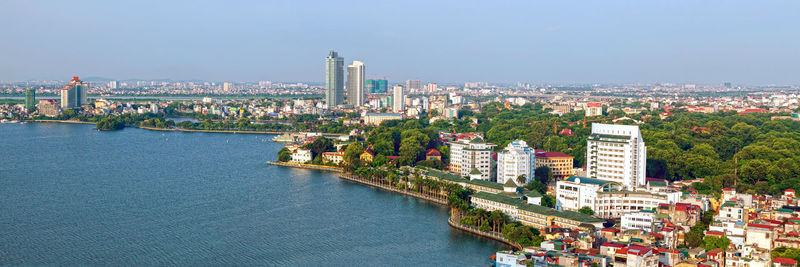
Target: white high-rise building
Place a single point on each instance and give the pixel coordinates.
(616, 153)
(515, 160)
(334, 80)
(431, 87)
(470, 158)
(355, 84)
(413, 85)
(398, 99)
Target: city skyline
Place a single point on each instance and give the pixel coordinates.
(608, 42)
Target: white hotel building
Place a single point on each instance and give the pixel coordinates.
(515, 160)
(577, 192)
(466, 155)
(616, 153)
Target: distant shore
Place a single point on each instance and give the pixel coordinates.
(206, 131)
(63, 121)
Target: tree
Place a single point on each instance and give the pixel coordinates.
(320, 145)
(548, 201)
(586, 210)
(712, 242)
(352, 154)
(284, 155)
(543, 174)
(521, 179)
(536, 186)
(432, 163)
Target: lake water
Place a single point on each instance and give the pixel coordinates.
(70, 195)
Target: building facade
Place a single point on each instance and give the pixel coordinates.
(413, 85)
(73, 95)
(466, 155)
(30, 99)
(642, 220)
(334, 80)
(377, 86)
(301, 156)
(398, 99)
(576, 192)
(559, 163)
(594, 109)
(355, 84)
(616, 204)
(377, 118)
(616, 153)
(48, 107)
(515, 160)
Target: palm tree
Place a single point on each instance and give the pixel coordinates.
(521, 180)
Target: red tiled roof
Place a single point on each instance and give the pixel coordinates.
(714, 233)
(432, 152)
(612, 230)
(715, 251)
(772, 221)
(545, 154)
(784, 260)
(594, 105)
(756, 225)
(657, 235)
(612, 244)
(638, 250)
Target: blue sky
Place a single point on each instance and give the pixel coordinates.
(746, 42)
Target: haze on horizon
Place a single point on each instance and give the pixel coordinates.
(745, 42)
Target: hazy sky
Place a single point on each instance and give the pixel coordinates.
(751, 42)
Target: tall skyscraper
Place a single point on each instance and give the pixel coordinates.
(226, 86)
(355, 84)
(413, 85)
(30, 99)
(616, 153)
(73, 94)
(334, 80)
(398, 100)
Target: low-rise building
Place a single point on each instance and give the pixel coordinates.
(332, 157)
(577, 192)
(643, 220)
(378, 118)
(615, 204)
(559, 163)
(534, 215)
(301, 155)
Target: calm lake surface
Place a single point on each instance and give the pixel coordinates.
(71, 195)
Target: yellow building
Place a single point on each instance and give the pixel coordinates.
(558, 162)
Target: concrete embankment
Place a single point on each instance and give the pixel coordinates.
(306, 166)
(451, 221)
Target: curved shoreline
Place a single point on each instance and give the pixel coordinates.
(63, 121)
(481, 233)
(205, 131)
(413, 194)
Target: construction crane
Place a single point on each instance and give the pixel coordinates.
(603, 119)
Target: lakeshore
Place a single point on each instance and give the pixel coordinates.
(222, 206)
(437, 200)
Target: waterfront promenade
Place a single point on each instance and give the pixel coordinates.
(438, 200)
(306, 166)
